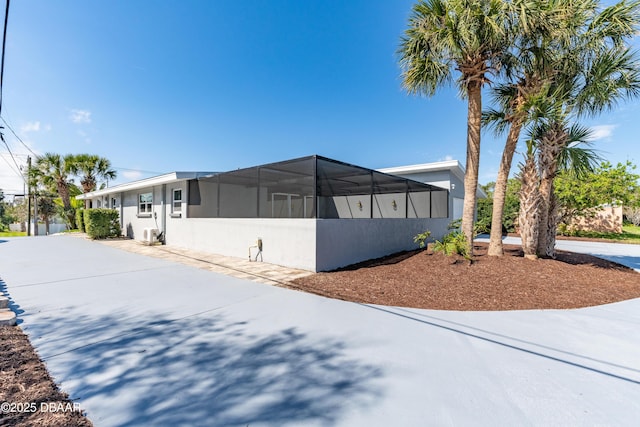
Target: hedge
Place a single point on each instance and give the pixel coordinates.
(101, 223)
(80, 220)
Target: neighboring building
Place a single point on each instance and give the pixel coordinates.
(312, 213)
(602, 219)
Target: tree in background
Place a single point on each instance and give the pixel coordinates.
(606, 185)
(510, 210)
(5, 220)
(91, 169)
(46, 209)
(464, 36)
(53, 172)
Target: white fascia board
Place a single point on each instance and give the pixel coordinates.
(450, 165)
(144, 183)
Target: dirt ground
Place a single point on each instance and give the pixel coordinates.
(420, 279)
(423, 279)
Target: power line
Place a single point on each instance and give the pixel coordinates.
(18, 138)
(11, 154)
(4, 43)
(10, 165)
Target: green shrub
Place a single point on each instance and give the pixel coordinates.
(80, 220)
(485, 211)
(102, 223)
(421, 238)
(453, 243)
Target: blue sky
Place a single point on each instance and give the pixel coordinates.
(159, 86)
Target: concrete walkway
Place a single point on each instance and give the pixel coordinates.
(143, 341)
(261, 272)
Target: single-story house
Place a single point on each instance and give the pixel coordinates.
(312, 213)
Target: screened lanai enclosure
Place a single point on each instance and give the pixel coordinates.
(313, 187)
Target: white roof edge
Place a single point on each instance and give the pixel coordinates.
(147, 182)
(452, 165)
(425, 167)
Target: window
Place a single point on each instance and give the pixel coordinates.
(176, 205)
(113, 203)
(145, 201)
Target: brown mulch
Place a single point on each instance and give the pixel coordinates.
(26, 386)
(423, 279)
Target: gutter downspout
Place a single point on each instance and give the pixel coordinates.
(164, 214)
(124, 232)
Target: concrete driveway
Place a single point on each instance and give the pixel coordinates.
(142, 341)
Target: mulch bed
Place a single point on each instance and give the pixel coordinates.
(423, 279)
(26, 386)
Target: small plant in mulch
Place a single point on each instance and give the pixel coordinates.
(421, 239)
(454, 243)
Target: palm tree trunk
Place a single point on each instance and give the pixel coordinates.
(528, 220)
(500, 190)
(63, 191)
(474, 117)
(549, 152)
(552, 225)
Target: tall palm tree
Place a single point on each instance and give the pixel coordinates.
(575, 35)
(53, 171)
(91, 169)
(463, 36)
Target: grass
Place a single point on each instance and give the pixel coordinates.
(13, 233)
(630, 234)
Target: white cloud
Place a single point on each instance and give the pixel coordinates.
(446, 158)
(30, 127)
(132, 174)
(80, 116)
(602, 132)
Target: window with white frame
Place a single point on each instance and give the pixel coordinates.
(145, 201)
(176, 200)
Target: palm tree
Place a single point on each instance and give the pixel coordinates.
(91, 169)
(558, 149)
(53, 171)
(552, 147)
(575, 35)
(464, 36)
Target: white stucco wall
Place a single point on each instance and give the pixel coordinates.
(341, 242)
(288, 242)
(310, 244)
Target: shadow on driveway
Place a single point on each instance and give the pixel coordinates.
(207, 371)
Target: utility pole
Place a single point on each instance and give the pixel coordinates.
(35, 212)
(29, 196)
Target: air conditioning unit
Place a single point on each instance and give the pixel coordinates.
(150, 235)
